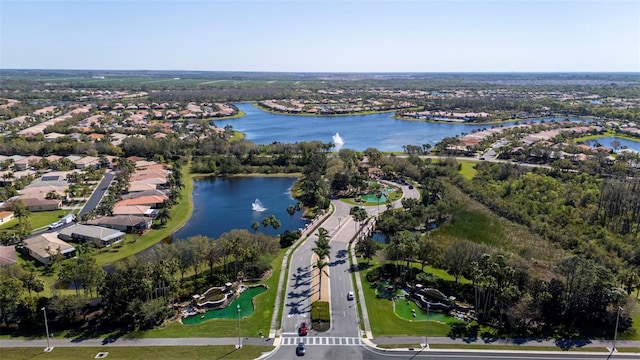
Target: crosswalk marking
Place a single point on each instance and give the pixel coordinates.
(333, 341)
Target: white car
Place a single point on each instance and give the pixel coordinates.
(350, 295)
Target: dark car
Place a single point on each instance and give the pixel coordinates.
(302, 331)
(411, 187)
(300, 350)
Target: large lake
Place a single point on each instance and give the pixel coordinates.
(222, 204)
(359, 132)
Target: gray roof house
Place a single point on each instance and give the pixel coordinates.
(127, 223)
(43, 247)
(100, 236)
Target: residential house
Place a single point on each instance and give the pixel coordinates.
(126, 223)
(139, 187)
(153, 201)
(141, 210)
(100, 236)
(87, 161)
(26, 162)
(7, 256)
(6, 216)
(35, 204)
(44, 246)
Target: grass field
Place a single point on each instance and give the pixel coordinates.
(134, 352)
(38, 219)
(252, 326)
(384, 321)
(468, 168)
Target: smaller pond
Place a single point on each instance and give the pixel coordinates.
(608, 141)
(403, 308)
(245, 300)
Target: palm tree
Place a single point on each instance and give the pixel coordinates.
(320, 264)
(255, 226)
(164, 215)
(291, 210)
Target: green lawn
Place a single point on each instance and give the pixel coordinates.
(384, 321)
(38, 219)
(468, 168)
(139, 352)
(260, 321)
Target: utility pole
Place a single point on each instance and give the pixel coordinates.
(426, 343)
(46, 328)
(615, 332)
(239, 336)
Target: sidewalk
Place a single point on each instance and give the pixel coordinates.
(515, 342)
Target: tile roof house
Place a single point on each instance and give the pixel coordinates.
(6, 216)
(139, 187)
(100, 236)
(133, 195)
(24, 163)
(126, 223)
(143, 210)
(86, 162)
(153, 201)
(35, 204)
(44, 246)
(8, 256)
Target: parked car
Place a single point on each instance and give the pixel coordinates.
(302, 331)
(350, 295)
(411, 187)
(300, 350)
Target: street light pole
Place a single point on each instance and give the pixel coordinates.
(426, 343)
(46, 327)
(615, 332)
(239, 336)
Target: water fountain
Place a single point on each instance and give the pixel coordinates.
(337, 141)
(257, 206)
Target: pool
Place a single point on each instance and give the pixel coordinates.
(245, 300)
(403, 307)
(372, 198)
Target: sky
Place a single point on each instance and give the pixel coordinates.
(322, 36)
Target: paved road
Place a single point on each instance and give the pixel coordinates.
(345, 323)
(97, 194)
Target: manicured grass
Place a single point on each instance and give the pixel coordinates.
(443, 274)
(39, 219)
(608, 133)
(180, 213)
(384, 321)
(634, 332)
(468, 168)
(251, 326)
(139, 352)
(492, 347)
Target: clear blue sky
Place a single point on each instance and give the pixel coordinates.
(326, 35)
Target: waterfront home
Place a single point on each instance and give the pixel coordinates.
(44, 246)
(99, 236)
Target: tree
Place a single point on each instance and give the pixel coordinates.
(255, 226)
(367, 248)
(320, 265)
(291, 210)
(458, 258)
(10, 293)
(359, 215)
(164, 215)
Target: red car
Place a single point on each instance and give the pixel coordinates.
(303, 329)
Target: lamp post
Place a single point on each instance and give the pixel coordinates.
(615, 332)
(46, 327)
(426, 343)
(239, 336)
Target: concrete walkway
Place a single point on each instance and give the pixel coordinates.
(385, 340)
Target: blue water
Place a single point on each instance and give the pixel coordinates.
(223, 204)
(606, 141)
(360, 132)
